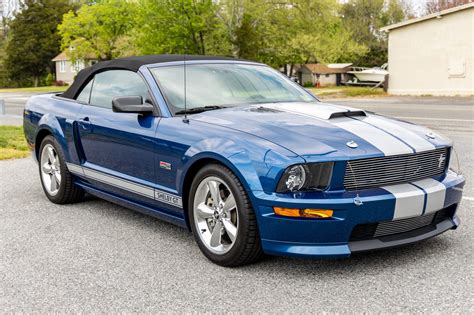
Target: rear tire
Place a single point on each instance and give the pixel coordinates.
(56, 180)
(226, 231)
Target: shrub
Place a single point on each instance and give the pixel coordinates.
(59, 83)
(49, 79)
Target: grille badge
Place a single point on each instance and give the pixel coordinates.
(352, 144)
(441, 160)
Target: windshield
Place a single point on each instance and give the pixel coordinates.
(226, 84)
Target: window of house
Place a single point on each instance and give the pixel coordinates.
(62, 66)
(113, 83)
(77, 66)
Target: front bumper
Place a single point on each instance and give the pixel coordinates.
(332, 238)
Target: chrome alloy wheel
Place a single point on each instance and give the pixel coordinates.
(50, 170)
(216, 215)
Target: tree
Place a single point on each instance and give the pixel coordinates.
(316, 34)
(3, 72)
(180, 26)
(246, 25)
(434, 6)
(291, 32)
(33, 40)
(364, 18)
(100, 29)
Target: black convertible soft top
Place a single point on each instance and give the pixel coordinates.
(128, 63)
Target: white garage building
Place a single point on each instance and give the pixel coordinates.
(434, 54)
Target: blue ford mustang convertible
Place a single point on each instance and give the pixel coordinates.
(242, 156)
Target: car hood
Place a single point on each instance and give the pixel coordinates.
(318, 130)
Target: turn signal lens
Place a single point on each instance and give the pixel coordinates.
(304, 213)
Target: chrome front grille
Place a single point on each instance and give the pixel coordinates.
(398, 227)
(396, 169)
(404, 225)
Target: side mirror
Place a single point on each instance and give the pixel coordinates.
(131, 104)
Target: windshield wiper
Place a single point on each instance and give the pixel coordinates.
(196, 110)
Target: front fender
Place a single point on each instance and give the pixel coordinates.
(227, 152)
(256, 165)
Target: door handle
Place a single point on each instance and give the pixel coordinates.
(84, 122)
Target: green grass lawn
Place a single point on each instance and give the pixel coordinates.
(45, 89)
(347, 91)
(12, 143)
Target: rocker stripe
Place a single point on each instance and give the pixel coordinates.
(130, 186)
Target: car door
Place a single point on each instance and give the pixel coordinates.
(117, 149)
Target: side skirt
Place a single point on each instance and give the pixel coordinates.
(160, 214)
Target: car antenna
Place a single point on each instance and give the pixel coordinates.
(185, 119)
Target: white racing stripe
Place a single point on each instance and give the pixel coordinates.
(435, 194)
(321, 110)
(376, 136)
(127, 185)
(120, 183)
(75, 169)
(383, 141)
(409, 200)
(417, 142)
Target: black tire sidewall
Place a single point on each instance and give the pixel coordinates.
(62, 165)
(243, 214)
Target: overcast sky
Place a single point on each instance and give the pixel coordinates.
(417, 5)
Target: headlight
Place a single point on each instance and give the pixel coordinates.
(306, 177)
(454, 162)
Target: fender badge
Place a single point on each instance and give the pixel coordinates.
(430, 135)
(352, 144)
(165, 165)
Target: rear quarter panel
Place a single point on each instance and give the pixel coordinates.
(55, 115)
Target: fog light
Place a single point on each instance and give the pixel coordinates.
(317, 213)
(304, 213)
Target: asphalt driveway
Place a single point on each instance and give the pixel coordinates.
(98, 257)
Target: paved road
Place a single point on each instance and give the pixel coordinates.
(15, 101)
(14, 104)
(96, 256)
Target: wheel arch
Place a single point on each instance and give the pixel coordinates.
(49, 125)
(203, 159)
(40, 135)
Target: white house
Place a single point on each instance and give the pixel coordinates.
(324, 75)
(434, 54)
(8, 8)
(66, 71)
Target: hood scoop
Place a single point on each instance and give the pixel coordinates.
(316, 110)
(354, 113)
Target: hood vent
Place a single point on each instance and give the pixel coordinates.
(354, 113)
(262, 109)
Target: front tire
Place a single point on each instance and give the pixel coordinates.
(222, 218)
(55, 177)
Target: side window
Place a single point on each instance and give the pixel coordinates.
(113, 83)
(85, 94)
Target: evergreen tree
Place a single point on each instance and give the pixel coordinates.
(34, 40)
